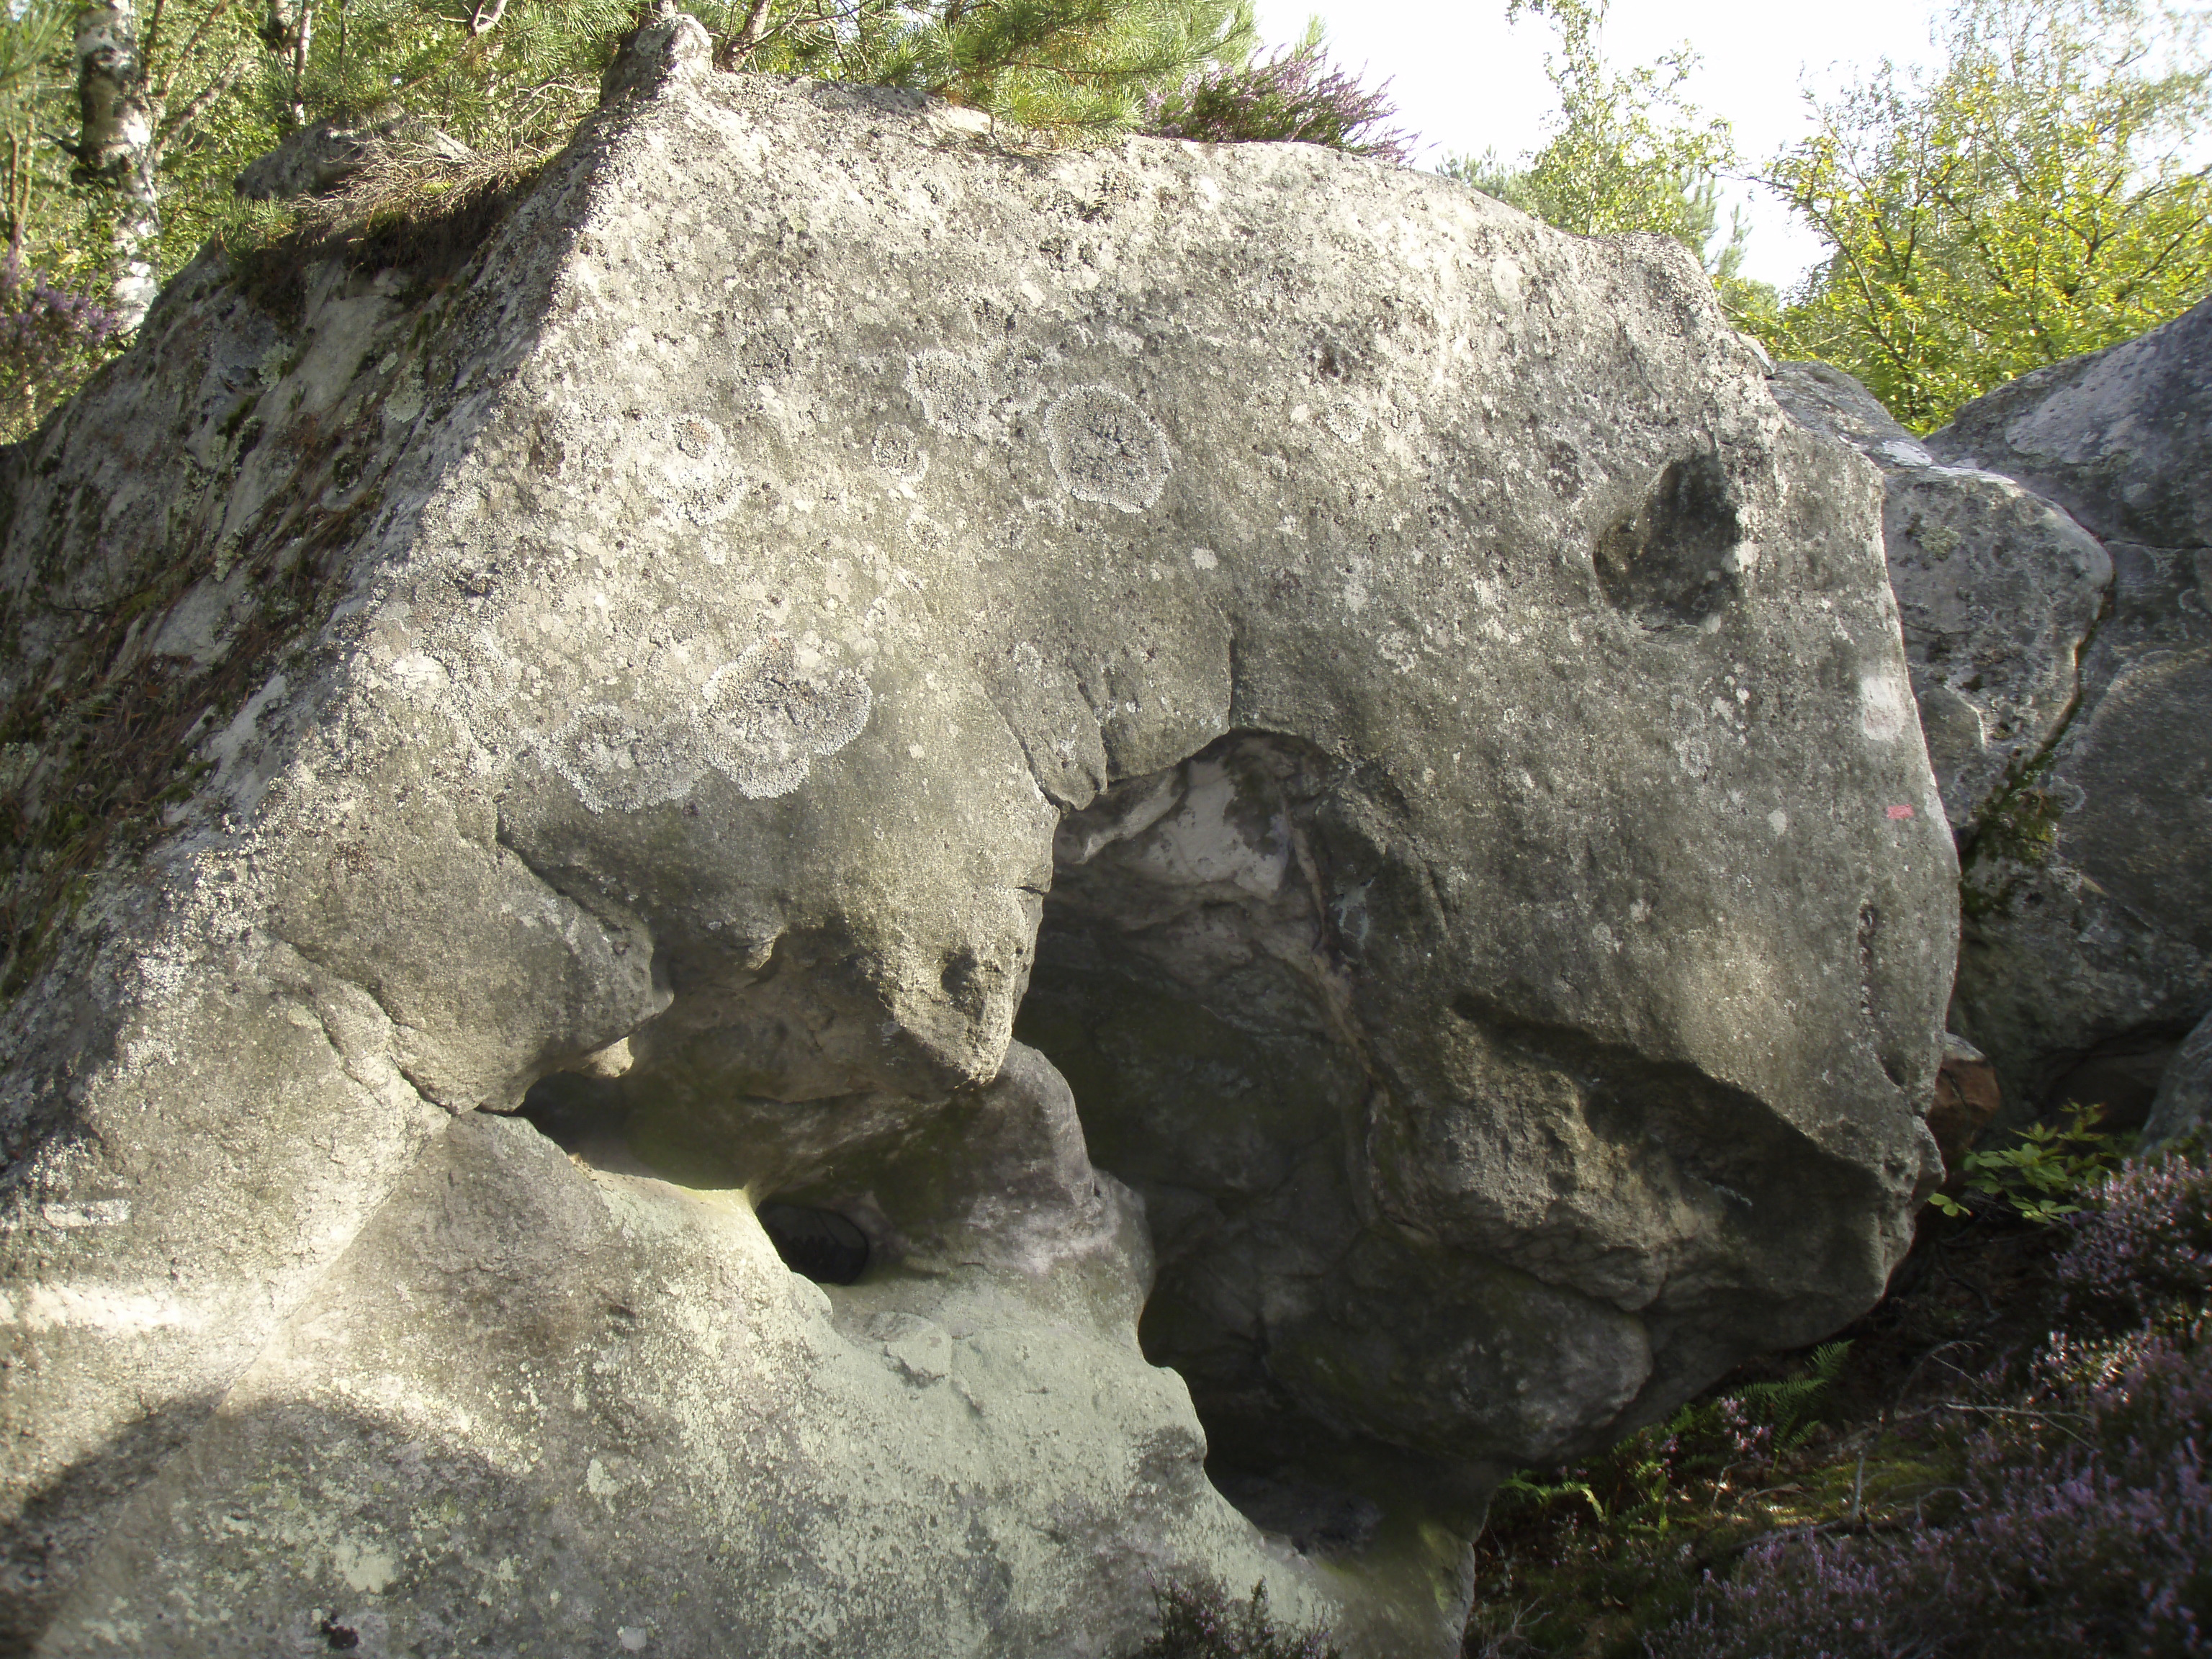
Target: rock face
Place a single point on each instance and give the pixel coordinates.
(2184, 1102)
(1998, 589)
(520, 765)
(2088, 948)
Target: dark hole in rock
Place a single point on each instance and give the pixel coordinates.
(597, 1118)
(574, 1110)
(1319, 1521)
(2120, 1075)
(1195, 983)
(819, 1243)
(1672, 562)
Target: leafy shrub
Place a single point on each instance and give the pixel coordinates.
(2038, 197)
(1296, 96)
(2047, 1168)
(1199, 1620)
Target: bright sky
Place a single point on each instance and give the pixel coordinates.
(1465, 81)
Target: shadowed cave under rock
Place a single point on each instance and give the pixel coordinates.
(1194, 990)
(1184, 988)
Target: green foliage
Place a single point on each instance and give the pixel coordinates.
(2045, 1171)
(1199, 1620)
(518, 74)
(1789, 1407)
(2029, 204)
(510, 79)
(1296, 96)
(64, 211)
(1628, 153)
(1635, 1486)
(53, 244)
(1573, 1559)
(503, 75)
(1071, 66)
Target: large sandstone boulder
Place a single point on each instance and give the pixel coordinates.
(526, 770)
(2088, 947)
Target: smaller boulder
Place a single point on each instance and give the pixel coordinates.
(1967, 1098)
(2182, 1104)
(2116, 437)
(2087, 943)
(320, 159)
(1997, 591)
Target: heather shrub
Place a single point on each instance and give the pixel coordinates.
(2143, 1256)
(1575, 1560)
(2084, 1526)
(1629, 1484)
(2082, 1521)
(50, 337)
(1296, 96)
(1201, 1621)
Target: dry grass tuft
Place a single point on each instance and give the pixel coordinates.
(413, 207)
(414, 201)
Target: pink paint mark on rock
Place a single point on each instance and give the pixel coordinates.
(1900, 811)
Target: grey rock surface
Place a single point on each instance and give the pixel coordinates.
(1001, 1469)
(2116, 437)
(2087, 946)
(1998, 590)
(1374, 689)
(2182, 1104)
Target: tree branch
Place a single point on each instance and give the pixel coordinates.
(215, 15)
(748, 39)
(181, 123)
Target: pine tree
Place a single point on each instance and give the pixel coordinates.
(170, 98)
(1071, 66)
(174, 94)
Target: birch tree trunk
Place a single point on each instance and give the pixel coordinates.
(115, 145)
(288, 31)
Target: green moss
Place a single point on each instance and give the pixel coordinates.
(239, 417)
(2017, 833)
(117, 733)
